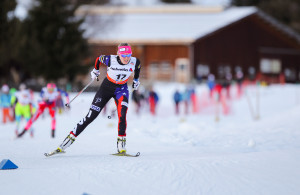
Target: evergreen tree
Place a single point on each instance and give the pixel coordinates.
(53, 46)
(286, 11)
(8, 25)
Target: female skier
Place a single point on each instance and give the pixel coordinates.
(119, 68)
(24, 106)
(49, 96)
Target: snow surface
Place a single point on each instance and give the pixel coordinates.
(192, 154)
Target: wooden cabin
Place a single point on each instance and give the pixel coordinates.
(187, 42)
(257, 45)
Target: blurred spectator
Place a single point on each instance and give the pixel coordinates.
(227, 84)
(144, 96)
(12, 92)
(239, 80)
(218, 90)
(153, 99)
(60, 105)
(193, 98)
(68, 87)
(5, 104)
(136, 97)
(177, 100)
(186, 96)
(211, 84)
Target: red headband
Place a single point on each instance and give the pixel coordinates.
(124, 49)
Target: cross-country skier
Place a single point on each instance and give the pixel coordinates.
(153, 99)
(24, 106)
(5, 104)
(119, 68)
(49, 95)
(177, 99)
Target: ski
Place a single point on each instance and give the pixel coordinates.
(57, 151)
(125, 154)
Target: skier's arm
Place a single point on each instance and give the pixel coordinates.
(102, 59)
(136, 82)
(43, 96)
(137, 70)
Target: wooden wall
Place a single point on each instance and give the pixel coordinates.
(148, 54)
(243, 44)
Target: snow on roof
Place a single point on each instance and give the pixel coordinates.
(180, 24)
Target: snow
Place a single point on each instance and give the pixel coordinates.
(22, 8)
(193, 154)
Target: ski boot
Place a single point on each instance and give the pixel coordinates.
(31, 134)
(121, 143)
(22, 133)
(66, 143)
(57, 151)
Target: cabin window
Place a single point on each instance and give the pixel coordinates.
(202, 70)
(227, 69)
(272, 66)
(160, 70)
(238, 69)
(165, 67)
(153, 70)
(251, 72)
(223, 70)
(290, 74)
(154, 66)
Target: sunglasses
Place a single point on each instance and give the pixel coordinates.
(124, 55)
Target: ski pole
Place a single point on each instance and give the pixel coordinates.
(68, 104)
(250, 104)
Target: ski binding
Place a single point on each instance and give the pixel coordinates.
(125, 154)
(57, 151)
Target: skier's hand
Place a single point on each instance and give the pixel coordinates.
(135, 84)
(47, 101)
(44, 100)
(95, 73)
